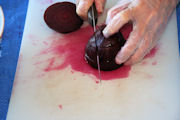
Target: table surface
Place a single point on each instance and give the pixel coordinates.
(15, 14)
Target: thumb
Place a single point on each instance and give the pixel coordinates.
(82, 7)
(100, 5)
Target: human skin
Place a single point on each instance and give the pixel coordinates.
(84, 5)
(149, 18)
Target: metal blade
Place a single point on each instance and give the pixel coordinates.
(94, 13)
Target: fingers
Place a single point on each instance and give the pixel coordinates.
(100, 5)
(142, 50)
(149, 41)
(130, 46)
(114, 11)
(117, 22)
(82, 7)
(159, 27)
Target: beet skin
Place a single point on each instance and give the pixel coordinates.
(107, 50)
(62, 17)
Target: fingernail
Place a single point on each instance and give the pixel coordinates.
(106, 33)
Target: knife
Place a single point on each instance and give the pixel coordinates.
(1, 27)
(92, 19)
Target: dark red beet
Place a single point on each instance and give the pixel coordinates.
(62, 17)
(107, 50)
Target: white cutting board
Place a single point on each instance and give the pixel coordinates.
(150, 92)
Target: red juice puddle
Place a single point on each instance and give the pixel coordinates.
(144, 63)
(97, 81)
(152, 52)
(60, 107)
(74, 51)
(151, 55)
(154, 63)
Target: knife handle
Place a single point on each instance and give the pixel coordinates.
(92, 11)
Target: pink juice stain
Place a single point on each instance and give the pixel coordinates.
(152, 52)
(60, 107)
(154, 63)
(74, 50)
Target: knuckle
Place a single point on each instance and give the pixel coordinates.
(124, 15)
(136, 59)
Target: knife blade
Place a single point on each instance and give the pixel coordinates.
(92, 18)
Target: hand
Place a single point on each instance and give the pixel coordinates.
(84, 5)
(149, 18)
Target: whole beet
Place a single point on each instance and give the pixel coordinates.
(62, 17)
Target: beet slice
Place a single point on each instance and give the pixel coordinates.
(107, 50)
(62, 17)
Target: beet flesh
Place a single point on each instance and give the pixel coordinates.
(107, 50)
(62, 17)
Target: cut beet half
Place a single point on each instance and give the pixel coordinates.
(62, 17)
(107, 50)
